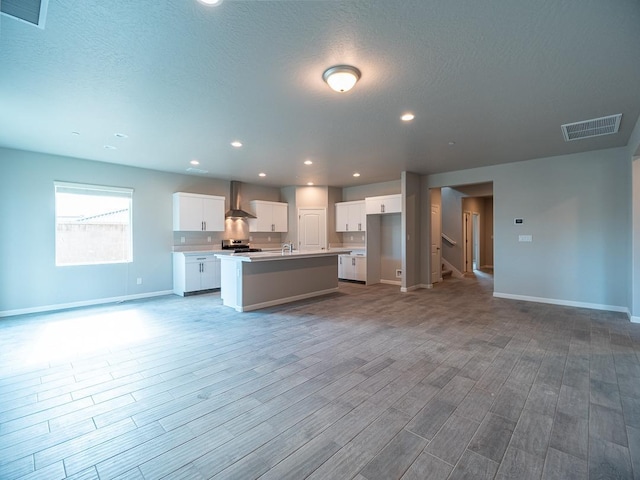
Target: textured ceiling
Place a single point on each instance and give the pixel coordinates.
(183, 80)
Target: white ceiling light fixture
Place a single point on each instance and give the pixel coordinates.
(236, 144)
(194, 162)
(211, 3)
(407, 117)
(308, 162)
(341, 78)
(310, 183)
(262, 174)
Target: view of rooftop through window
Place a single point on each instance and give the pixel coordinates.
(93, 224)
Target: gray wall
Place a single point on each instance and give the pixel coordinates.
(487, 237)
(351, 194)
(29, 277)
(410, 233)
(576, 207)
(451, 213)
(633, 274)
(390, 246)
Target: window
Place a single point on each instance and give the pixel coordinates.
(93, 224)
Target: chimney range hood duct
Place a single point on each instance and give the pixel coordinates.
(234, 203)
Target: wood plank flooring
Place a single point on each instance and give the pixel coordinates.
(364, 384)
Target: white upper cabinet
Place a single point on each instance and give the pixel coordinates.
(351, 217)
(193, 212)
(271, 216)
(384, 204)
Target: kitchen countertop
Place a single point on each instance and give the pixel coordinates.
(200, 252)
(267, 256)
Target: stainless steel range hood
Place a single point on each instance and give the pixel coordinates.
(234, 202)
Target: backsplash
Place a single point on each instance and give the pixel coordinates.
(213, 240)
(353, 239)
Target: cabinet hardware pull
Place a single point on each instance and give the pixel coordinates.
(346, 227)
(205, 225)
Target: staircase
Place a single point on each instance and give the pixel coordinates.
(445, 273)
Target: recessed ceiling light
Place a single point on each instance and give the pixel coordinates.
(452, 143)
(308, 162)
(356, 174)
(194, 162)
(262, 174)
(407, 117)
(110, 147)
(121, 135)
(309, 183)
(75, 133)
(236, 144)
(211, 3)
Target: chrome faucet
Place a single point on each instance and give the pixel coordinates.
(287, 246)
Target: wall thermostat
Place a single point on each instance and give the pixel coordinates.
(518, 221)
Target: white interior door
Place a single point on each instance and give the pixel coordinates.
(436, 244)
(312, 229)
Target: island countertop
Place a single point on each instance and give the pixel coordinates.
(277, 255)
(254, 280)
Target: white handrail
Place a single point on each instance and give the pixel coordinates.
(449, 239)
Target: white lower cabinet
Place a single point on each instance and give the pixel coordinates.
(352, 267)
(195, 271)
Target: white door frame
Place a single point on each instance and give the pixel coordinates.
(467, 238)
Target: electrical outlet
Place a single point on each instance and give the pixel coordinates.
(351, 237)
(139, 281)
(268, 239)
(250, 238)
(209, 239)
(398, 273)
(182, 239)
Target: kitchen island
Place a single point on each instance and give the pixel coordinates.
(250, 281)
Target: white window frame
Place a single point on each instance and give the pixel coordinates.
(94, 191)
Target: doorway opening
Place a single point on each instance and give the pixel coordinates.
(461, 231)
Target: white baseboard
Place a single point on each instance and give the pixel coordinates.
(410, 289)
(634, 319)
(566, 303)
(85, 303)
(280, 301)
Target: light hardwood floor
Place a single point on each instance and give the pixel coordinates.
(368, 384)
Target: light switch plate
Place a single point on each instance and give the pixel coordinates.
(525, 238)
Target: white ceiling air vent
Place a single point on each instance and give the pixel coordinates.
(591, 128)
(32, 12)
